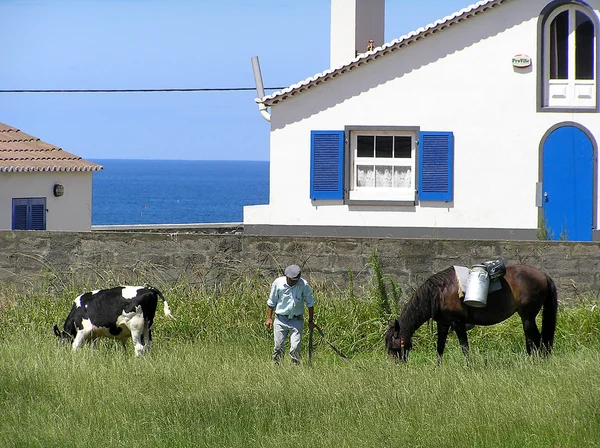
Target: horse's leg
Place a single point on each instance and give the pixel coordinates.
(461, 332)
(532, 334)
(442, 335)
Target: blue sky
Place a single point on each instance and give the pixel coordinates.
(154, 44)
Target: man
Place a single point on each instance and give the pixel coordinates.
(289, 294)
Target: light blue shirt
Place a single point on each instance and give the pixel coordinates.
(290, 300)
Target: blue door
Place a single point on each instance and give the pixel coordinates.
(568, 175)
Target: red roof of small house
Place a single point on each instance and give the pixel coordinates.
(21, 152)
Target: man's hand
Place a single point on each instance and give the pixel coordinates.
(311, 324)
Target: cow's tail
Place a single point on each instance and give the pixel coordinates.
(166, 308)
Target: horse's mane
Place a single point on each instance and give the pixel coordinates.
(426, 300)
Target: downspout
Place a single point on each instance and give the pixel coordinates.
(260, 90)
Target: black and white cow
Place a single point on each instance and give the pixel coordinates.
(119, 313)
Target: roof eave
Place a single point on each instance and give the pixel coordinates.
(32, 169)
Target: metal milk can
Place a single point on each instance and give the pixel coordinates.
(477, 287)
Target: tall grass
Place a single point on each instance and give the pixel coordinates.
(209, 380)
(193, 394)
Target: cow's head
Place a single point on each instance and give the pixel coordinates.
(62, 335)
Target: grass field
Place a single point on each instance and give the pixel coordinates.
(209, 380)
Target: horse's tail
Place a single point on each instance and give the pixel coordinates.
(549, 316)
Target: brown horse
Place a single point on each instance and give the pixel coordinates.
(524, 290)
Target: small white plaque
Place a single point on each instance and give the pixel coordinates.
(521, 61)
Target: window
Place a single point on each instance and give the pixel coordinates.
(29, 214)
(382, 165)
(569, 42)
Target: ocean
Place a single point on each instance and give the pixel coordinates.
(176, 191)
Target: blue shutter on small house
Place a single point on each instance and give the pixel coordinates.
(29, 214)
(326, 165)
(38, 214)
(19, 214)
(436, 166)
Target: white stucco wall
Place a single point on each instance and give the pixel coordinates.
(72, 211)
(459, 80)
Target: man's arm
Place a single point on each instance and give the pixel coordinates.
(271, 304)
(269, 321)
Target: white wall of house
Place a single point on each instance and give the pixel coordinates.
(460, 80)
(72, 211)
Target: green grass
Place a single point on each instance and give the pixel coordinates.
(194, 394)
(209, 380)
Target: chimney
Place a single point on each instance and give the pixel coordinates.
(354, 23)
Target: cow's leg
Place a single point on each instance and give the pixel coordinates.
(136, 335)
(136, 326)
(82, 336)
(147, 336)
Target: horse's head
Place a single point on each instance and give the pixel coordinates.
(397, 345)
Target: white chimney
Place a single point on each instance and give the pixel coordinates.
(353, 24)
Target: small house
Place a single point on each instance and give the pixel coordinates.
(42, 187)
(481, 125)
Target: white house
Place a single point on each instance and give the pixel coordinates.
(483, 124)
(42, 187)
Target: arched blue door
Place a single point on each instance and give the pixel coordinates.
(568, 176)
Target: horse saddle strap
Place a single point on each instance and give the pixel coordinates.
(495, 269)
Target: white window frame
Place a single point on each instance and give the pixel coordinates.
(570, 92)
(357, 193)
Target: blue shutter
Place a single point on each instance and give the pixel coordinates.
(327, 165)
(19, 214)
(436, 166)
(38, 214)
(29, 214)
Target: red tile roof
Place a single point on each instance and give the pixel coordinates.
(21, 152)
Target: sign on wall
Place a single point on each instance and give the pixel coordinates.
(521, 61)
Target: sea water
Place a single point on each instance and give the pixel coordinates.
(176, 191)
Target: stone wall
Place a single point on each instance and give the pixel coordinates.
(108, 257)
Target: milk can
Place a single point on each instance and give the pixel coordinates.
(477, 287)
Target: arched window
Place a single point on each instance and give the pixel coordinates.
(569, 55)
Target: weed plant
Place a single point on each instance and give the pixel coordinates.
(209, 380)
